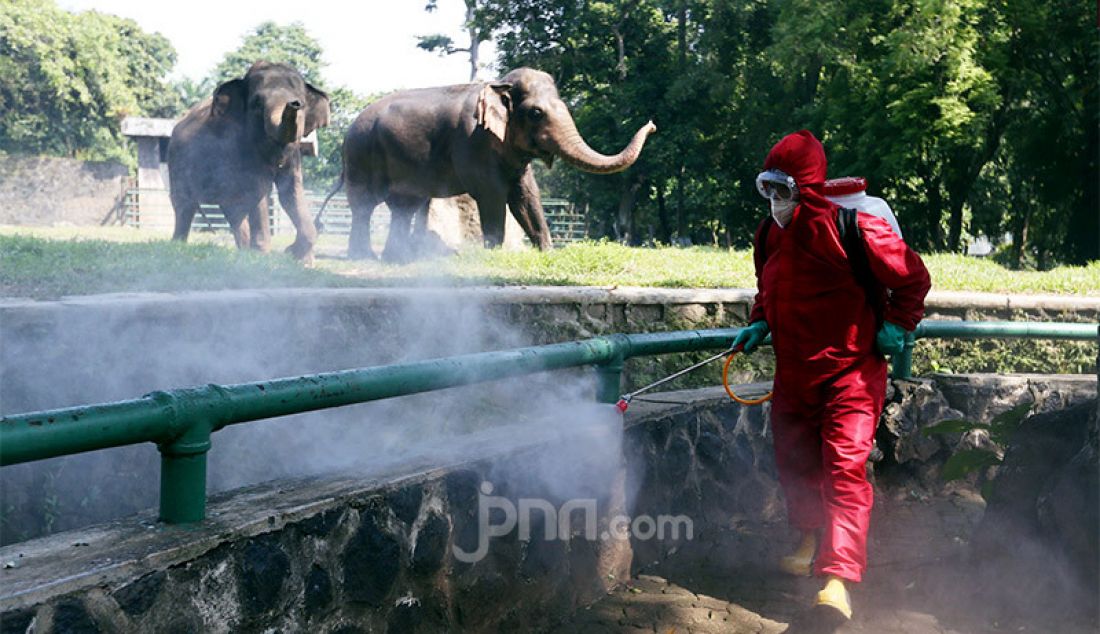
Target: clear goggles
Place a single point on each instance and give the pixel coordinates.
(774, 184)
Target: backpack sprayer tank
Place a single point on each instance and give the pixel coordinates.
(851, 192)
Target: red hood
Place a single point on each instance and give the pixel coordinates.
(799, 155)
(802, 156)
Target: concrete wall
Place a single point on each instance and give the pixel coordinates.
(48, 191)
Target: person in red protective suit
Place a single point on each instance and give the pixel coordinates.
(830, 379)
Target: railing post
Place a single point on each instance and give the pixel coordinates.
(903, 361)
(609, 376)
(183, 475)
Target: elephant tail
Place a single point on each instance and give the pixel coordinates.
(317, 219)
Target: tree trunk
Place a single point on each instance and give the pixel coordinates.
(475, 36)
(1019, 239)
(662, 216)
(681, 33)
(681, 225)
(624, 221)
(935, 204)
(1083, 237)
(954, 236)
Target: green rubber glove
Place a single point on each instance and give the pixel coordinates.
(751, 336)
(890, 338)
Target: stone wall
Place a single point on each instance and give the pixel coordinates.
(332, 556)
(44, 191)
(349, 554)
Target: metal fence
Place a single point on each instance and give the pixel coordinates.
(152, 209)
(566, 223)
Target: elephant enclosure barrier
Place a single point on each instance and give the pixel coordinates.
(147, 208)
(151, 209)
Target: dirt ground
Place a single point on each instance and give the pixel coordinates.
(920, 579)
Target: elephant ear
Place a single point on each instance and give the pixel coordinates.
(317, 109)
(493, 105)
(229, 99)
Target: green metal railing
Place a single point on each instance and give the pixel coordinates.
(936, 329)
(182, 421)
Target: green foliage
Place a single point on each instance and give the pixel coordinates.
(67, 80)
(321, 173)
(969, 117)
(962, 463)
(999, 356)
(272, 42)
(438, 42)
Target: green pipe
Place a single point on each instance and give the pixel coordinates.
(609, 375)
(183, 475)
(1004, 330)
(181, 421)
(158, 417)
(60, 432)
(903, 363)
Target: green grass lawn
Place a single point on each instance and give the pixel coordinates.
(52, 262)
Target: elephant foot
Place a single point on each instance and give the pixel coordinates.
(430, 245)
(302, 251)
(361, 254)
(401, 256)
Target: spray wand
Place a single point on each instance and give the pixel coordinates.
(624, 400)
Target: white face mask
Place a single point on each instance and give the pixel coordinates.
(782, 210)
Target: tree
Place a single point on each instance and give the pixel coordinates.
(1049, 197)
(323, 171)
(971, 116)
(479, 25)
(67, 80)
(289, 44)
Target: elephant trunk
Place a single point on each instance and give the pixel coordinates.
(572, 147)
(288, 126)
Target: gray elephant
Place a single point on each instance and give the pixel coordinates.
(480, 138)
(230, 149)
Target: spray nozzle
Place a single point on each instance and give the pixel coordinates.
(623, 403)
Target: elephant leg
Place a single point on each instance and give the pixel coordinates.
(238, 224)
(185, 209)
(260, 224)
(526, 207)
(399, 244)
(491, 210)
(292, 196)
(362, 205)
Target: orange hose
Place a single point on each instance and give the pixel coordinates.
(726, 384)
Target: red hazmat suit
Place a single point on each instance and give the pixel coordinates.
(830, 381)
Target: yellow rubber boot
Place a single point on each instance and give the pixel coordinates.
(800, 562)
(835, 595)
